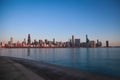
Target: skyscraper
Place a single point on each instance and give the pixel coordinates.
(92, 44)
(11, 40)
(46, 41)
(107, 43)
(73, 41)
(77, 42)
(24, 41)
(29, 40)
(87, 41)
(98, 44)
(53, 40)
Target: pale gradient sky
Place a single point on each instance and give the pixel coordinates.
(60, 19)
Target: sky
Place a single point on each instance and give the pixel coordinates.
(60, 19)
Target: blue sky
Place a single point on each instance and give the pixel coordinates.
(60, 19)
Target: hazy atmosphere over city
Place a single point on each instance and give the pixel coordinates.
(59, 19)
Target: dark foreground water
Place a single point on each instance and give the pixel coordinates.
(99, 60)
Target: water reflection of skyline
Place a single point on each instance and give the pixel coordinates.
(80, 58)
(28, 51)
(73, 57)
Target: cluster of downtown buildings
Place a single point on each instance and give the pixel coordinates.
(52, 44)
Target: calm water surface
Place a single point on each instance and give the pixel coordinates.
(99, 60)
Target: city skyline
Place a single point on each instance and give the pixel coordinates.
(59, 19)
(70, 43)
(29, 39)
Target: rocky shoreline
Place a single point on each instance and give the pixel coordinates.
(48, 71)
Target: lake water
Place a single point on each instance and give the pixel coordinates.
(99, 60)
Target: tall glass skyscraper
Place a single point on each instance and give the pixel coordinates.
(73, 41)
(29, 40)
(87, 40)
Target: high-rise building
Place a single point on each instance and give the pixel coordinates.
(3, 44)
(73, 41)
(77, 42)
(67, 44)
(98, 44)
(35, 43)
(11, 40)
(107, 43)
(92, 44)
(10, 43)
(18, 44)
(24, 41)
(41, 43)
(70, 42)
(46, 41)
(29, 40)
(87, 41)
(53, 40)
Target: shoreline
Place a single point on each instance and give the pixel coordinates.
(55, 72)
(61, 47)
